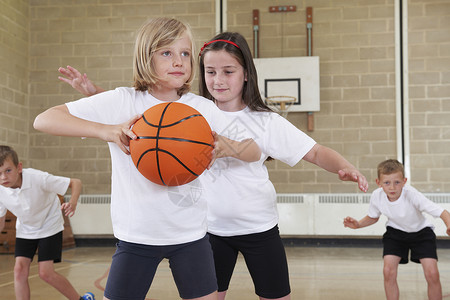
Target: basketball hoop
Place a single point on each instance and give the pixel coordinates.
(281, 104)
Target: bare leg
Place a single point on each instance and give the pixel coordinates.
(288, 297)
(390, 277)
(212, 296)
(221, 295)
(430, 269)
(21, 272)
(48, 274)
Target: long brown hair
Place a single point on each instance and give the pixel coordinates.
(239, 49)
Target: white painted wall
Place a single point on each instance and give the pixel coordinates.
(301, 215)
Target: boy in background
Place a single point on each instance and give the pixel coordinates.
(32, 196)
(407, 228)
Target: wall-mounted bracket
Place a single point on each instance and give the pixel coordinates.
(255, 33)
(282, 8)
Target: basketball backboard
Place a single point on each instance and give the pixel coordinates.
(291, 76)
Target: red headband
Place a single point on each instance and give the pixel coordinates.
(226, 41)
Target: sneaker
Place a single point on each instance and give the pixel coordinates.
(88, 296)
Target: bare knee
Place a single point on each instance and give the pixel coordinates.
(21, 271)
(389, 273)
(430, 270)
(432, 276)
(46, 274)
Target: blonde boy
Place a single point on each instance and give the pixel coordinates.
(407, 228)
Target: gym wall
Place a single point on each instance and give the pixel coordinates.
(355, 41)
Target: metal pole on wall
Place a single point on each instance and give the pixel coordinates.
(255, 33)
(401, 85)
(310, 122)
(221, 16)
(309, 29)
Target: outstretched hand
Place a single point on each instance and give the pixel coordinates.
(121, 134)
(78, 81)
(355, 176)
(351, 223)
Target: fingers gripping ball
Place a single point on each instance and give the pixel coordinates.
(174, 144)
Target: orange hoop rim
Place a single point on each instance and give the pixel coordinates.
(280, 99)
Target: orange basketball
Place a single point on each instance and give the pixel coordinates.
(174, 144)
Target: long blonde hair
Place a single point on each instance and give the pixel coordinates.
(152, 36)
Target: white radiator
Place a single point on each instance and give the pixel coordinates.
(301, 215)
(92, 216)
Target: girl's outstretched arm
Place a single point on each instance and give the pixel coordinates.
(246, 150)
(78, 81)
(333, 162)
(58, 121)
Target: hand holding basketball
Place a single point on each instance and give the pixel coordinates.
(217, 152)
(120, 134)
(245, 150)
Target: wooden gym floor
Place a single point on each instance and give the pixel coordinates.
(316, 273)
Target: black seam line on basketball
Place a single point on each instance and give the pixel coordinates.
(167, 152)
(174, 139)
(172, 124)
(157, 141)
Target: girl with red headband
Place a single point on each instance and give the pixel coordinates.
(242, 211)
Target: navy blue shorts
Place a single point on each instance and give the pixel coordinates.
(265, 258)
(422, 244)
(50, 248)
(134, 266)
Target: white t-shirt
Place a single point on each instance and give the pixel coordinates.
(35, 204)
(143, 212)
(406, 212)
(242, 199)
